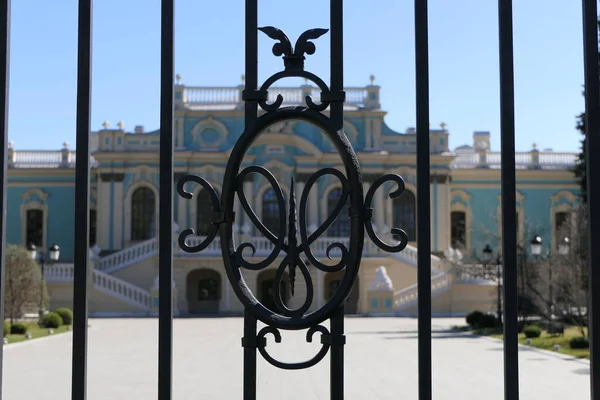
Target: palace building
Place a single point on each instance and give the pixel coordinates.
(465, 206)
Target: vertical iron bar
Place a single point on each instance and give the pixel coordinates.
(4, 81)
(165, 246)
(424, 197)
(250, 115)
(249, 342)
(82, 201)
(592, 134)
(509, 201)
(336, 18)
(251, 107)
(338, 341)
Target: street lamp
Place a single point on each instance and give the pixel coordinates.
(536, 245)
(487, 258)
(564, 247)
(44, 257)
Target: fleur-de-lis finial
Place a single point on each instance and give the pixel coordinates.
(292, 242)
(293, 58)
(443, 125)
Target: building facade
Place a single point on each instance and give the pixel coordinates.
(465, 205)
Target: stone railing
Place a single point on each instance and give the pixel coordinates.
(149, 248)
(124, 290)
(524, 160)
(211, 96)
(43, 158)
(57, 273)
(63, 273)
(408, 296)
(128, 256)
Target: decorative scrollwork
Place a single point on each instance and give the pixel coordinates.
(399, 233)
(308, 240)
(217, 214)
(325, 344)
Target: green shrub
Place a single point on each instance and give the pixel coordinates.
(53, 320)
(579, 342)
(532, 331)
(474, 317)
(6, 328)
(487, 321)
(18, 328)
(66, 315)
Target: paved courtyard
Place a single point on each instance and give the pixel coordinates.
(381, 363)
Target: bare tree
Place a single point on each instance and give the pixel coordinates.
(570, 272)
(22, 282)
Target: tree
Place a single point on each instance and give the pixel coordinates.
(571, 274)
(22, 282)
(580, 165)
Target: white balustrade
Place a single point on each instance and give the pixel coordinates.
(193, 96)
(547, 159)
(63, 273)
(128, 256)
(122, 289)
(408, 296)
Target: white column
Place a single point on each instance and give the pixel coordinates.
(378, 208)
(368, 134)
(103, 213)
(313, 206)
(118, 215)
(320, 293)
(249, 193)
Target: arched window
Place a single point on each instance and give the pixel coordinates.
(405, 214)
(458, 233)
(142, 214)
(341, 225)
(35, 228)
(270, 211)
(203, 213)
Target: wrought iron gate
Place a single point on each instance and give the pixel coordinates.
(298, 254)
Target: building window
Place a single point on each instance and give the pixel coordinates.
(208, 289)
(270, 211)
(34, 228)
(458, 221)
(405, 217)
(143, 214)
(562, 226)
(93, 219)
(203, 213)
(341, 225)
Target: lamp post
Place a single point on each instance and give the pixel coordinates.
(487, 258)
(43, 257)
(563, 250)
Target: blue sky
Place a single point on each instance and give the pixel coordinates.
(378, 40)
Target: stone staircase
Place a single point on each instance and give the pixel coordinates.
(108, 284)
(408, 297)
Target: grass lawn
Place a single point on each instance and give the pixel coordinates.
(36, 332)
(545, 341)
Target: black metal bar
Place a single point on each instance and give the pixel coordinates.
(336, 16)
(165, 246)
(592, 134)
(250, 343)
(4, 82)
(509, 201)
(251, 73)
(424, 197)
(82, 201)
(338, 340)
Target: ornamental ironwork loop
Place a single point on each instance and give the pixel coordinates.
(291, 241)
